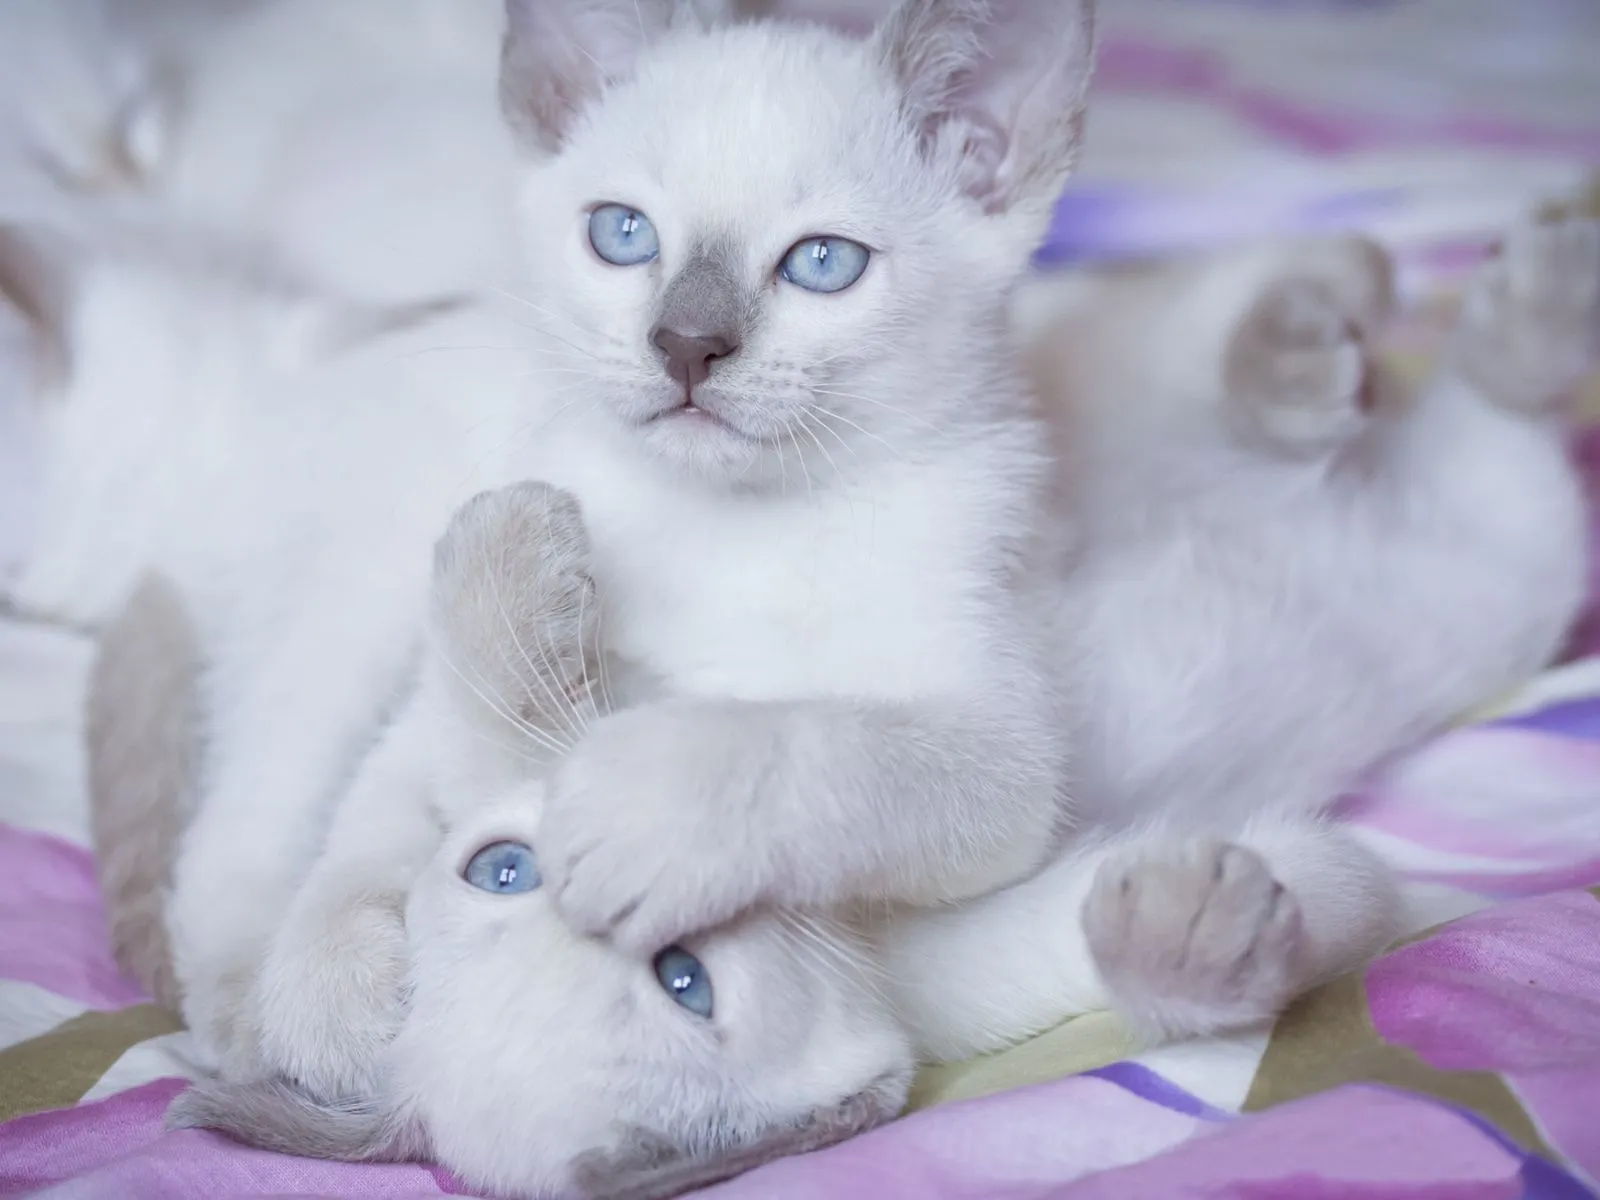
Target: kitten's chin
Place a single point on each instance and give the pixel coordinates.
(697, 443)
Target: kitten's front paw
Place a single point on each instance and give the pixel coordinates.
(647, 833)
(1296, 367)
(1195, 937)
(331, 993)
(1530, 321)
(513, 603)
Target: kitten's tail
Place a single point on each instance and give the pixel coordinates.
(142, 732)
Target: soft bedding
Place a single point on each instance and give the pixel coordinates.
(1464, 1063)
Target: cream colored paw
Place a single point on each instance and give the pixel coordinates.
(1195, 936)
(1296, 367)
(514, 607)
(1530, 321)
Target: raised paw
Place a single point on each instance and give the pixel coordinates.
(650, 831)
(1530, 321)
(331, 994)
(1194, 937)
(514, 608)
(1296, 367)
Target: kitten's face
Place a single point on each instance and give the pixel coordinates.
(750, 258)
(529, 1051)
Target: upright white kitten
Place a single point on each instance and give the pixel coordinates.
(810, 468)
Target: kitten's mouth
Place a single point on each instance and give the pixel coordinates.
(690, 415)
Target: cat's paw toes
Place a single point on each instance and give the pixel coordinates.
(647, 833)
(513, 604)
(520, 533)
(1296, 367)
(1530, 320)
(331, 995)
(1195, 937)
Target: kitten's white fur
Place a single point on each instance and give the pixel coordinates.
(852, 623)
(1181, 931)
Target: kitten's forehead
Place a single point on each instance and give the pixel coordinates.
(742, 126)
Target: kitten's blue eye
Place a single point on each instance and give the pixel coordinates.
(623, 236)
(825, 264)
(685, 980)
(504, 868)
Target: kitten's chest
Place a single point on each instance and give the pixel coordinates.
(828, 597)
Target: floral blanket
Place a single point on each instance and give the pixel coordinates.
(1465, 1063)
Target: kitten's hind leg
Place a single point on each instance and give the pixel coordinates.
(1195, 935)
(1295, 369)
(1530, 321)
(1182, 933)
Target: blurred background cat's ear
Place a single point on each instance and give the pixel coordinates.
(38, 271)
(996, 89)
(560, 55)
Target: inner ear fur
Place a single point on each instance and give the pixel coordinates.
(37, 281)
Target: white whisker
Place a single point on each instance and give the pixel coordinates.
(505, 712)
(941, 430)
(556, 711)
(817, 408)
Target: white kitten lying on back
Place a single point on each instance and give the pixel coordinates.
(504, 997)
(1291, 570)
(768, 350)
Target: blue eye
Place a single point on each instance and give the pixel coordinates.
(685, 980)
(504, 868)
(623, 236)
(825, 264)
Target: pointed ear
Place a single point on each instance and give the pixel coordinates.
(38, 279)
(271, 1114)
(646, 1165)
(996, 89)
(559, 56)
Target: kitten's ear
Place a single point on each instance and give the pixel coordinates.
(38, 279)
(997, 88)
(271, 1114)
(646, 1165)
(560, 55)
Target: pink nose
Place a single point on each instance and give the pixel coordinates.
(689, 356)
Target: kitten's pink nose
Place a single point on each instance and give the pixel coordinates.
(689, 356)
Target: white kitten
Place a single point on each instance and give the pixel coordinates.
(1292, 570)
(831, 554)
(529, 1060)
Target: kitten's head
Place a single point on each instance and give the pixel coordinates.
(760, 246)
(535, 1062)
